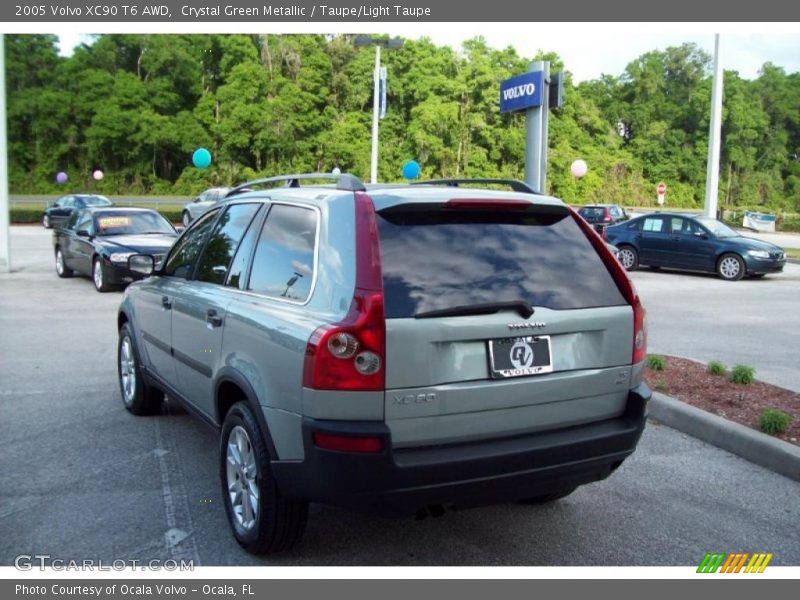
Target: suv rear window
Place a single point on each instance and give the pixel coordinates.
(435, 258)
(594, 212)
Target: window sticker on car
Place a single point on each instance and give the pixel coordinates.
(653, 224)
(106, 222)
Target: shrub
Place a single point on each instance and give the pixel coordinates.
(25, 214)
(743, 374)
(656, 362)
(716, 368)
(774, 421)
(33, 214)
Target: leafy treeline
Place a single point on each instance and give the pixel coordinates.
(136, 106)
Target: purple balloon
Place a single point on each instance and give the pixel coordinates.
(61, 177)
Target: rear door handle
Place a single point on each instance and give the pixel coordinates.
(212, 318)
(166, 303)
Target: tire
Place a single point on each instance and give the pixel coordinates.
(186, 219)
(730, 267)
(99, 275)
(138, 397)
(277, 522)
(46, 222)
(62, 270)
(628, 257)
(546, 498)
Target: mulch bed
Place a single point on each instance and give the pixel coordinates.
(691, 382)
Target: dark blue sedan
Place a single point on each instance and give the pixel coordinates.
(693, 243)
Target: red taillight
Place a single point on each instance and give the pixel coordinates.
(346, 443)
(483, 204)
(360, 364)
(625, 286)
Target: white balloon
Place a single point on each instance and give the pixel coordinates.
(579, 168)
(337, 171)
(98, 175)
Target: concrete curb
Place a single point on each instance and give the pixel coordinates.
(759, 448)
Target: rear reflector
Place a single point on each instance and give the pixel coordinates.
(625, 285)
(343, 443)
(484, 204)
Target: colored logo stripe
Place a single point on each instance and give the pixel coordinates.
(734, 562)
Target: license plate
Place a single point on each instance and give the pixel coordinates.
(520, 356)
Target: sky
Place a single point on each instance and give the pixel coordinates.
(589, 52)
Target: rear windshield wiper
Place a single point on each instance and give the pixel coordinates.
(524, 309)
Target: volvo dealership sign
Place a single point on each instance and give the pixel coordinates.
(521, 92)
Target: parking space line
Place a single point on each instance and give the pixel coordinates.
(179, 537)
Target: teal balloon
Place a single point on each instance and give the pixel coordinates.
(201, 158)
(411, 169)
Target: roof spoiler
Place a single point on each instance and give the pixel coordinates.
(515, 184)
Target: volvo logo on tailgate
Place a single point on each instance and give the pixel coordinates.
(528, 325)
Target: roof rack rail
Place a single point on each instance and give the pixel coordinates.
(515, 184)
(344, 181)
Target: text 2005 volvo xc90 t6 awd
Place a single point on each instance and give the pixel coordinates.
(392, 348)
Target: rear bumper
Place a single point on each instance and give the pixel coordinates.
(400, 482)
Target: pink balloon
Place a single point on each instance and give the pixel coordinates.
(98, 175)
(579, 168)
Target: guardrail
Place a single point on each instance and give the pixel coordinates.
(23, 200)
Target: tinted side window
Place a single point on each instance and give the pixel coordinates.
(213, 265)
(183, 255)
(283, 265)
(237, 274)
(636, 224)
(73, 219)
(84, 222)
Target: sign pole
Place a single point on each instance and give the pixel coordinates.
(376, 93)
(5, 246)
(545, 117)
(533, 138)
(714, 130)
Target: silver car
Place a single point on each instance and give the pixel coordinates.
(397, 349)
(200, 205)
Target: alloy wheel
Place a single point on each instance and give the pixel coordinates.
(627, 258)
(127, 370)
(242, 478)
(97, 275)
(729, 267)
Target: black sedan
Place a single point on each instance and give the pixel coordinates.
(694, 243)
(97, 241)
(62, 209)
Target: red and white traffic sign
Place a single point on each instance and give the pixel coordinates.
(661, 189)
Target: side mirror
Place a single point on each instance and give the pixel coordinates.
(701, 234)
(83, 233)
(142, 264)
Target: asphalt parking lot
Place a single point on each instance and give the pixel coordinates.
(81, 478)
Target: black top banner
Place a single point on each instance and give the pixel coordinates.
(351, 11)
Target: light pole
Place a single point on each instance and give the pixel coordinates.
(393, 44)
